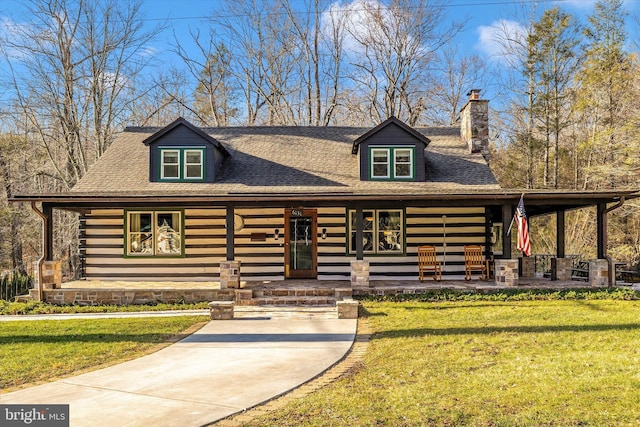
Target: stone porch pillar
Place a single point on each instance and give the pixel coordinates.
(51, 275)
(359, 274)
(598, 272)
(230, 274)
(560, 268)
(506, 272)
(527, 266)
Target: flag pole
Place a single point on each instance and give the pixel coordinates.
(514, 218)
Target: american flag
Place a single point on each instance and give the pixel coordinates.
(523, 228)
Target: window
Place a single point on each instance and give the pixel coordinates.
(193, 164)
(382, 231)
(182, 164)
(154, 233)
(380, 163)
(170, 164)
(403, 162)
(392, 163)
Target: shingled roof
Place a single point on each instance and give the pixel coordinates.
(311, 160)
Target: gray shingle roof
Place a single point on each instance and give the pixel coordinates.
(288, 160)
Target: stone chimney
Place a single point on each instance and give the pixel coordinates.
(474, 123)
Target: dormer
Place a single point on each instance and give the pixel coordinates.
(391, 151)
(181, 152)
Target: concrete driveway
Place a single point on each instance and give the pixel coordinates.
(225, 367)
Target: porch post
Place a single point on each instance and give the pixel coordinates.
(46, 214)
(230, 233)
(507, 215)
(602, 230)
(359, 234)
(359, 267)
(47, 211)
(560, 243)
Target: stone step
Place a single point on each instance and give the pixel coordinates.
(338, 293)
(290, 312)
(289, 301)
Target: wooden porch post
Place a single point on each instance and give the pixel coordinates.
(47, 239)
(230, 224)
(359, 234)
(507, 216)
(602, 230)
(560, 243)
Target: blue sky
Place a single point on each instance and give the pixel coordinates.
(481, 15)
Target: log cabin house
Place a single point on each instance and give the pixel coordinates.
(277, 203)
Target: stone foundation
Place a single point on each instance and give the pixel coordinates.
(598, 272)
(343, 293)
(359, 274)
(230, 274)
(243, 296)
(506, 272)
(560, 268)
(134, 296)
(527, 266)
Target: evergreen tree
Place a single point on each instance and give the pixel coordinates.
(554, 38)
(607, 82)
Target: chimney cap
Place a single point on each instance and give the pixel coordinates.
(474, 92)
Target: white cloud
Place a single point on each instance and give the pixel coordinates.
(354, 20)
(500, 39)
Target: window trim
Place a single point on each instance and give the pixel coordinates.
(375, 232)
(182, 164)
(392, 161)
(154, 225)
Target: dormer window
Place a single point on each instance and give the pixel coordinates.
(181, 164)
(392, 162)
(380, 163)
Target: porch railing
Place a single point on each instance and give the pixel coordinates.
(542, 263)
(13, 284)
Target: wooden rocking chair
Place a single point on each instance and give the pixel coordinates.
(473, 261)
(427, 261)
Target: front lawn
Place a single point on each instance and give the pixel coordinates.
(41, 350)
(487, 363)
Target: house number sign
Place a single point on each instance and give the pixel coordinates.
(297, 212)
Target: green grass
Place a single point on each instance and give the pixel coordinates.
(36, 307)
(34, 351)
(487, 363)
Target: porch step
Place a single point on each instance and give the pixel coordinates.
(289, 312)
(282, 301)
(337, 293)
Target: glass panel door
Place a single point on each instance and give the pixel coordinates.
(300, 243)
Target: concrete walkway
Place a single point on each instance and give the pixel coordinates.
(225, 367)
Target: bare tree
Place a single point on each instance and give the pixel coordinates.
(74, 68)
(448, 87)
(395, 49)
(214, 94)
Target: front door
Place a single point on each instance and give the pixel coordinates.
(300, 243)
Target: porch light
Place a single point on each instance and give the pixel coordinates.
(324, 233)
(276, 234)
